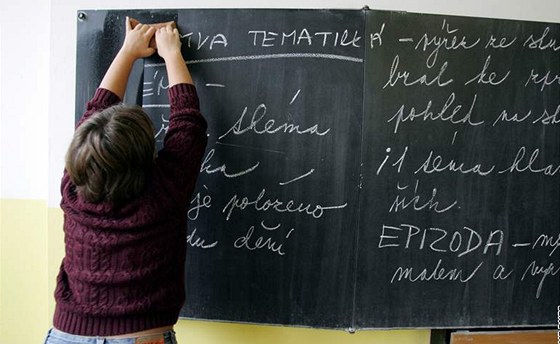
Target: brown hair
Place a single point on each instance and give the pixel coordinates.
(111, 154)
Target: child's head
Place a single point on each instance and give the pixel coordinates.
(111, 154)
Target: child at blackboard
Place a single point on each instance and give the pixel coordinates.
(122, 278)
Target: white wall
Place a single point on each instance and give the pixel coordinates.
(24, 98)
(38, 57)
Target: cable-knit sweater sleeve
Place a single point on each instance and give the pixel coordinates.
(178, 163)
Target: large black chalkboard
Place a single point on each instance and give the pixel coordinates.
(456, 233)
(316, 206)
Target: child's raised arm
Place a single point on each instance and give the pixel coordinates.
(136, 45)
(178, 162)
(169, 47)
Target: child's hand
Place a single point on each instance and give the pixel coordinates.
(168, 42)
(137, 41)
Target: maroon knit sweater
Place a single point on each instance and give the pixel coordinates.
(124, 266)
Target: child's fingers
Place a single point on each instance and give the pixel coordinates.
(164, 30)
(128, 24)
(150, 31)
(138, 27)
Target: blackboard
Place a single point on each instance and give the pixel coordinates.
(459, 233)
(365, 169)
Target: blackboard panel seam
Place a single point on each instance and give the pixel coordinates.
(360, 180)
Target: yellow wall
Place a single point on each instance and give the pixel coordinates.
(31, 246)
(23, 264)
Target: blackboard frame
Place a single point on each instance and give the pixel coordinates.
(99, 31)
